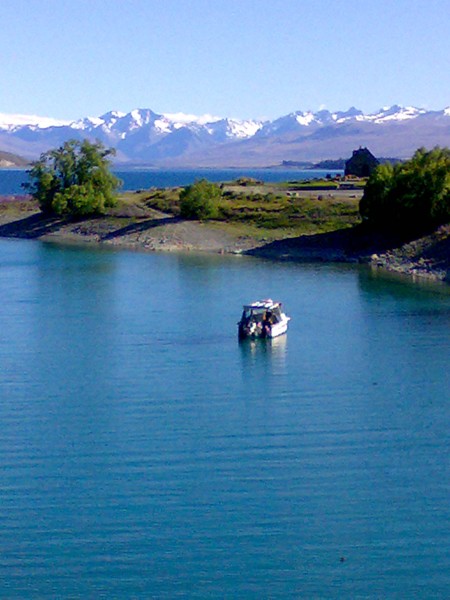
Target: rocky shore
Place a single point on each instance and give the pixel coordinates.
(424, 258)
(428, 257)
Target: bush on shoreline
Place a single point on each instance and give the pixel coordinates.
(74, 180)
(413, 196)
(200, 200)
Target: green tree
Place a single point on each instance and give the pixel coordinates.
(412, 196)
(74, 179)
(200, 200)
(374, 205)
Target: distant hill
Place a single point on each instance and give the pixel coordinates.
(8, 160)
(143, 137)
(338, 163)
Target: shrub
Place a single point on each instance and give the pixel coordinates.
(200, 200)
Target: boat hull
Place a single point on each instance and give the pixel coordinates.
(278, 329)
(274, 331)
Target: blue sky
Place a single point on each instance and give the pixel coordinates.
(241, 58)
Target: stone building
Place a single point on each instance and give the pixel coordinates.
(361, 164)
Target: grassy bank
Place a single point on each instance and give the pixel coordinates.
(246, 208)
(264, 210)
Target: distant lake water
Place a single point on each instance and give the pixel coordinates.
(146, 453)
(11, 180)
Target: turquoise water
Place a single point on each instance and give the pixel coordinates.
(11, 180)
(147, 454)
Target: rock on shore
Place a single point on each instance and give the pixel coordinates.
(427, 257)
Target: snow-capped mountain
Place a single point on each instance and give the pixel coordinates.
(143, 136)
(120, 125)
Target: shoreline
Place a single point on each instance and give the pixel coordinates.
(425, 259)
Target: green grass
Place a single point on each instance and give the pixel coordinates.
(311, 184)
(257, 209)
(322, 184)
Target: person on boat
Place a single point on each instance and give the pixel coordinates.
(267, 323)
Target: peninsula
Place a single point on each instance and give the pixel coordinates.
(296, 221)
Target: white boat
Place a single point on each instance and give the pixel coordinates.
(262, 319)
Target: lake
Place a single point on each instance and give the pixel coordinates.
(146, 453)
(11, 180)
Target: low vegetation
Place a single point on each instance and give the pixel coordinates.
(253, 206)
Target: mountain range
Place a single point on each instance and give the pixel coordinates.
(143, 137)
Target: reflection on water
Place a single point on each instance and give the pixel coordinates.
(396, 284)
(262, 352)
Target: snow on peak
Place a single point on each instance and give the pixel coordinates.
(243, 129)
(17, 120)
(342, 117)
(140, 117)
(186, 119)
(87, 123)
(305, 118)
(113, 115)
(162, 125)
(234, 128)
(393, 113)
(137, 117)
(116, 125)
(106, 120)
